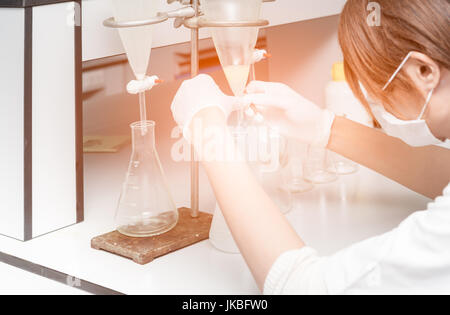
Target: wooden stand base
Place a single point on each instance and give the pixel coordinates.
(187, 232)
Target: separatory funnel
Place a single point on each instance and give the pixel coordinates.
(137, 42)
(235, 45)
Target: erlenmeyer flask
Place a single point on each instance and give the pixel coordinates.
(146, 207)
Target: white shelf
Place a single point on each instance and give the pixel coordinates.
(99, 41)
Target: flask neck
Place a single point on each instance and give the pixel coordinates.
(143, 134)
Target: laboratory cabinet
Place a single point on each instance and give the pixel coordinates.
(41, 167)
(100, 42)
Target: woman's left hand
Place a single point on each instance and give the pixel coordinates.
(196, 94)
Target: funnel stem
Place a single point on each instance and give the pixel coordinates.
(194, 164)
(143, 111)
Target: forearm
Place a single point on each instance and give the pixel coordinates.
(425, 170)
(261, 232)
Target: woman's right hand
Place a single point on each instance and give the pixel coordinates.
(290, 113)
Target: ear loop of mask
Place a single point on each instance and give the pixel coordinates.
(430, 94)
(398, 70)
(426, 104)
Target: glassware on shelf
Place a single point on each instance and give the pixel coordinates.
(220, 235)
(146, 207)
(251, 142)
(316, 168)
(272, 184)
(340, 165)
(269, 170)
(292, 172)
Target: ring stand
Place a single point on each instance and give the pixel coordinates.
(187, 232)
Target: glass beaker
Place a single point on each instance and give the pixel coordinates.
(293, 179)
(316, 169)
(272, 158)
(146, 207)
(220, 235)
(340, 165)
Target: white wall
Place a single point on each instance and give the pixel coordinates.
(303, 54)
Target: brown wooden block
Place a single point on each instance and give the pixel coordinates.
(187, 232)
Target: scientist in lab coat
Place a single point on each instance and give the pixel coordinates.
(403, 66)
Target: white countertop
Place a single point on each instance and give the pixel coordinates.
(15, 281)
(328, 218)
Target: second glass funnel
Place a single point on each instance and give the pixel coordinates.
(235, 45)
(146, 207)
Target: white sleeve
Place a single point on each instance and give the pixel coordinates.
(296, 272)
(303, 272)
(413, 256)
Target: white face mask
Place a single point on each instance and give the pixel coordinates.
(413, 132)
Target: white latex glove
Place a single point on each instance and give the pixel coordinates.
(291, 114)
(197, 94)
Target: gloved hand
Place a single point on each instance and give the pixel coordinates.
(291, 114)
(197, 94)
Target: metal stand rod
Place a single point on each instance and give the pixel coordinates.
(194, 163)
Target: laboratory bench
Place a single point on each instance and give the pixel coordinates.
(329, 218)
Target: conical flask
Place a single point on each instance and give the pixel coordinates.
(234, 45)
(146, 207)
(137, 41)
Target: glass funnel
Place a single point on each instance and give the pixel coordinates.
(137, 41)
(234, 45)
(146, 207)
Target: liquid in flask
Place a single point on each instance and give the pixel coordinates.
(146, 207)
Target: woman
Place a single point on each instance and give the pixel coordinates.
(404, 65)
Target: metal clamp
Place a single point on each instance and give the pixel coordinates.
(159, 18)
(179, 15)
(199, 22)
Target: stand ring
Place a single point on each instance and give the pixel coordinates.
(199, 22)
(159, 18)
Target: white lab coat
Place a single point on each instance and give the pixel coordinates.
(414, 258)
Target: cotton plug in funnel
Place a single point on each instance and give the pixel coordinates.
(234, 45)
(137, 41)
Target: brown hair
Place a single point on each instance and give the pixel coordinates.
(373, 53)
